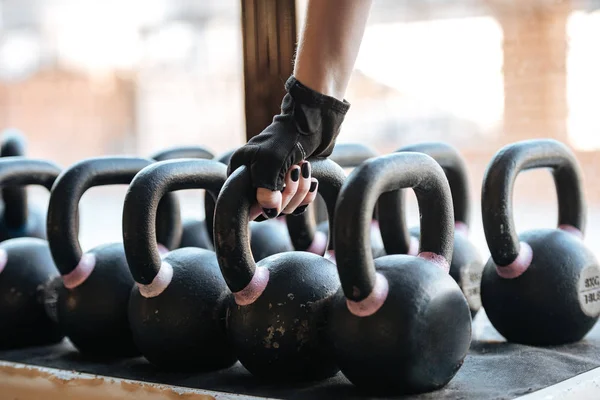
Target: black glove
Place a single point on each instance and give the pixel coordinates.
(308, 125)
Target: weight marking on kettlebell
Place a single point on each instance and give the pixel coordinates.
(589, 291)
(471, 282)
(81, 272)
(160, 282)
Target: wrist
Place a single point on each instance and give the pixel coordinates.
(324, 84)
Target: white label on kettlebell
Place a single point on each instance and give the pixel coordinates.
(470, 281)
(589, 291)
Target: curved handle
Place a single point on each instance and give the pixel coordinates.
(232, 243)
(141, 203)
(63, 213)
(183, 152)
(394, 231)
(358, 198)
(302, 228)
(198, 152)
(13, 144)
(209, 201)
(23, 171)
(497, 192)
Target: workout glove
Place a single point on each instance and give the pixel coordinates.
(308, 125)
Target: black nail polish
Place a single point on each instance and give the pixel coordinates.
(313, 186)
(270, 212)
(295, 174)
(300, 210)
(306, 170)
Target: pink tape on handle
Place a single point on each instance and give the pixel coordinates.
(374, 301)
(571, 229)
(255, 288)
(461, 227)
(160, 282)
(330, 255)
(319, 244)
(520, 265)
(162, 250)
(437, 259)
(81, 272)
(3, 259)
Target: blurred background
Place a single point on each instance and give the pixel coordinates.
(87, 78)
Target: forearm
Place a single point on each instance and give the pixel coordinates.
(329, 44)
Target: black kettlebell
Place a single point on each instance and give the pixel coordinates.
(305, 235)
(541, 287)
(277, 324)
(17, 218)
(177, 309)
(26, 267)
(195, 231)
(400, 323)
(466, 265)
(267, 236)
(92, 302)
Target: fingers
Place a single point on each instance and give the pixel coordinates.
(292, 180)
(310, 197)
(302, 190)
(269, 201)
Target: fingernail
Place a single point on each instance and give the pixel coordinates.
(313, 186)
(270, 212)
(300, 210)
(295, 174)
(306, 170)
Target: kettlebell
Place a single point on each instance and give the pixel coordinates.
(17, 218)
(26, 267)
(92, 302)
(541, 287)
(267, 236)
(277, 323)
(466, 266)
(177, 309)
(304, 234)
(195, 231)
(400, 323)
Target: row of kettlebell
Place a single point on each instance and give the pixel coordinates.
(284, 314)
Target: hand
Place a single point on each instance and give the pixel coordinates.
(307, 126)
(300, 190)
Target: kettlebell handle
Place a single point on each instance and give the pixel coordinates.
(497, 192)
(72, 183)
(232, 242)
(359, 196)
(302, 228)
(14, 198)
(199, 152)
(23, 171)
(141, 203)
(394, 231)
